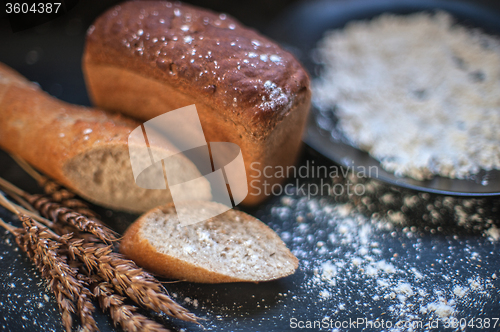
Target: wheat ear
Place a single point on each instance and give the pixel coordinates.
(124, 315)
(58, 213)
(63, 280)
(128, 279)
(123, 274)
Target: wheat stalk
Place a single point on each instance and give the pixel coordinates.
(124, 315)
(58, 213)
(65, 304)
(63, 280)
(127, 278)
(17, 210)
(54, 190)
(54, 211)
(66, 198)
(59, 228)
(43, 250)
(110, 269)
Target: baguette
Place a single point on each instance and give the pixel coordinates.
(146, 58)
(231, 247)
(84, 149)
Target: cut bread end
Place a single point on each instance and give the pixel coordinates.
(104, 175)
(231, 247)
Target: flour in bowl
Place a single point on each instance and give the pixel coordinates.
(417, 92)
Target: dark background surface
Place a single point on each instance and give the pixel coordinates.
(50, 55)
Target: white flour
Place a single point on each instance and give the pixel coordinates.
(419, 94)
(356, 271)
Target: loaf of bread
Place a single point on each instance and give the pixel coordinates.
(150, 57)
(84, 149)
(230, 247)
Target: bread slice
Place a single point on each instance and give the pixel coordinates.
(230, 247)
(145, 58)
(85, 149)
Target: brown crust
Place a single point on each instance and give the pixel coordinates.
(123, 91)
(47, 132)
(144, 254)
(245, 76)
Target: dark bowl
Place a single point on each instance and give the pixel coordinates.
(303, 26)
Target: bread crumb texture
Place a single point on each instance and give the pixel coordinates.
(233, 244)
(418, 92)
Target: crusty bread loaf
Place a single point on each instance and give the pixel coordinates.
(150, 57)
(230, 247)
(82, 148)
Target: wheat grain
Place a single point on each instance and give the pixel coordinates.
(56, 212)
(63, 279)
(65, 198)
(127, 278)
(124, 315)
(51, 253)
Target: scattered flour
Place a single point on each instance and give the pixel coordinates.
(366, 263)
(438, 262)
(277, 97)
(418, 93)
(459, 291)
(442, 308)
(494, 233)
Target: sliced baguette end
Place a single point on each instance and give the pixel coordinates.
(218, 250)
(103, 175)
